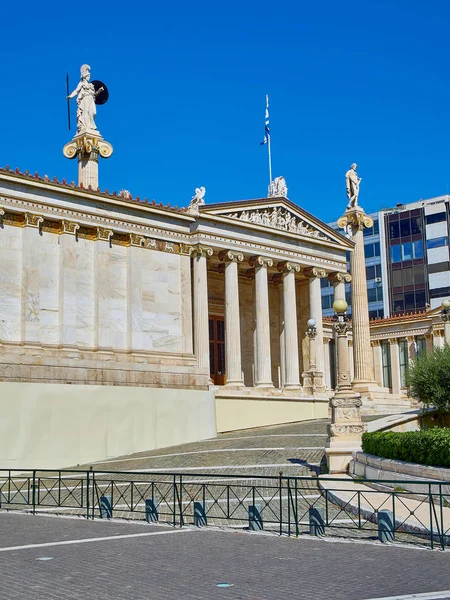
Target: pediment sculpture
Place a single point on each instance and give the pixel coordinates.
(278, 218)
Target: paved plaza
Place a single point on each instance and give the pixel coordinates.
(49, 558)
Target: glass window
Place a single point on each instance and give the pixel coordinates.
(407, 252)
(396, 254)
(397, 278)
(372, 295)
(436, 218)
(368, 231)
(386, 358)
(376, 227)
(399, 303)
(405, 227)
(324, 283)
(326, 301)
(437, 242)
(421, 345)
(418, 274)
(420, 298)
(369, 250)
(416, 226)
(410, 303)
(404, 360)
(394, 230)
(407, 275)
(376, 314)
(418, 249)
(370, 272)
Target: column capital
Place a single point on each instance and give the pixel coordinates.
(201, 251)
(260, 261)
(104, 234)
(410, 339)
(313, 272)
(375, 343)
(136, 239)
(336, 278)
(69, 227)
(231, 256)
(33, 220)
(288, 267)
(326, 340)
(393, 341)
(356, 219)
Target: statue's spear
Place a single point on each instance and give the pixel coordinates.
(68, 101)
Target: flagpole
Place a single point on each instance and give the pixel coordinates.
(270, 159)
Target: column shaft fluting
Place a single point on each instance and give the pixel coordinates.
(290, 329)
(315, 310)
(263, 367)
(233, 361)
(362, 354)
(378, 363)
(201, 325)
(395, 366)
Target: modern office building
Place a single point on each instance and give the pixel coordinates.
(407, 259)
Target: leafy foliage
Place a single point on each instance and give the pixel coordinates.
(426, 447)
(428, 378)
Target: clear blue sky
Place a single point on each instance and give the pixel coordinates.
(348, 81)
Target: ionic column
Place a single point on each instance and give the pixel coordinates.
(201, 326)
(377, 362)
(233, 362)
(263, 365)
(339, 280)
(315, 310)
(356, 220)
(326, 355)
(395, 366)
(292, 369)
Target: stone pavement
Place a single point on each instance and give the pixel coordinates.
(294, 449)
(49, 558)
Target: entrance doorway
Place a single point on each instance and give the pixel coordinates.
(217, 350)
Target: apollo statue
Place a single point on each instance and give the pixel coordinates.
(352, 182)
(86, 94)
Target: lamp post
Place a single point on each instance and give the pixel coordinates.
(445, 316)
(346, 425)
(312, 378)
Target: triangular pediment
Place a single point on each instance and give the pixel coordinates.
(278, 214)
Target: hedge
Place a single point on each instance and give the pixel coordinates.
(426, 447)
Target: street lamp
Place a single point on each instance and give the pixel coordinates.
(445, 316)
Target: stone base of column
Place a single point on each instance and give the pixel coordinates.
(313, 382)
(234, 384)
(369, 389)
(346, 430)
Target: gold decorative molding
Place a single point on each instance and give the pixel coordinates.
(201, 251)
(104, 234)
(137, 240)
(33, 220)
(69, 227)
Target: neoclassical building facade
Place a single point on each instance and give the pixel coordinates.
(135, 303)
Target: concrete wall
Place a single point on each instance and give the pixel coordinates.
(246, 413)
(55, 425)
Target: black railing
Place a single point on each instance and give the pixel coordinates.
(419, 511)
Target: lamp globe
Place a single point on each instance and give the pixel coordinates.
(340, 306)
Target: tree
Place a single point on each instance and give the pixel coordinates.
(428, 378)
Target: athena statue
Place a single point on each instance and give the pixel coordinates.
(86, 95)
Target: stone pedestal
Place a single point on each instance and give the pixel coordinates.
(87, 146)
(355, 220)
(313, 378)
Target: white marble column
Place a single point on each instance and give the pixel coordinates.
(292, 369)
(315, 310)
(201, 325)
(395, 366)
(233, 362)
(263, 364)
(326, 355)
(339, 280)
(377, 362)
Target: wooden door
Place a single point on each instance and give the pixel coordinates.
(217, 350)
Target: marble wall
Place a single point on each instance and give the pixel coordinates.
(58, 290)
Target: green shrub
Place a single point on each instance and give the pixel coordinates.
(428, 378)
(426, 447)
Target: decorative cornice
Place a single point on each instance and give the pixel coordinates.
(260, 261)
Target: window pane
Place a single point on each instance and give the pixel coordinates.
(405, 227)
(437, 242)
(386, 358)
(399, 303)
(403, 349)
(418, 274)
(220, 359)
(407, 251)
(368, 231)
(410, 303)
(407, 276)
(397, 278)
(420, 299)
(436, 218)
(370, 272)
(395, 253)
(369, 251)
(394, 230)
(418, 249)
(220, 331)
(416, 225)
(377, 270)
(377, 249)
(376, 227)
(372, 295)
(211, 329)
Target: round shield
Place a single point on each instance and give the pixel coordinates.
(101, 92)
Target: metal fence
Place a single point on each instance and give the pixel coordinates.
(417, 512)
